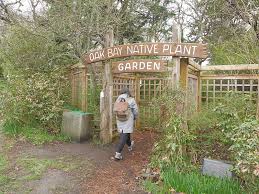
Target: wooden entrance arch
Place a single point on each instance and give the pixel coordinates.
(113, 71)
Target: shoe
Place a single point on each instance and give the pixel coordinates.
(118, 156)
(130, 148)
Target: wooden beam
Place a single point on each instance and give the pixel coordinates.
(257, 107)
(199, 90)
(73, 92)
(195, 65)
(106, 97)
(184, 73)
(230, 76)
(230, 67)
(84, 91)
(177, 36)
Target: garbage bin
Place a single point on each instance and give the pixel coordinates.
(77, 125)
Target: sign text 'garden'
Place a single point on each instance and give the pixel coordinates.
(138, 66)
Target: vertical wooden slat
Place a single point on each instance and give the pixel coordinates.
(207, 92)
(155, 88)
(137, 86)
(199, 91)
(221, 88)
(144, 83)
(184, 73)
(257, 107)
(251, 89)
(214, 90)
(83, 90)
(160, 87)
(149, 90)
(73, 87)
(243, 86)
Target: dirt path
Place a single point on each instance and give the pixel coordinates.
(76, 168)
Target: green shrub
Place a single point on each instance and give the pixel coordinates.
(204, 120)
(245, 146)
(194, 183)
(35, 71)
(171, 148)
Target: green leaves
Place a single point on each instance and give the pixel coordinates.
(245, 147)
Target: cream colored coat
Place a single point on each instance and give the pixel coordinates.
(128, 126)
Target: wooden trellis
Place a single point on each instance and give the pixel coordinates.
(144, 90)
(214, 86)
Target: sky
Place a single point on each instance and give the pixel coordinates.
(26, 6)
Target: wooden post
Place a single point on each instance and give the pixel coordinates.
(73, 87)
(176, 38)
(106, 97)
(84, 90)
(257, 107)
(137, 86)
(184, 73)
(199, 94)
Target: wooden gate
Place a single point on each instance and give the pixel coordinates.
(145, 91)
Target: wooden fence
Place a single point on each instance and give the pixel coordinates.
(204, 87)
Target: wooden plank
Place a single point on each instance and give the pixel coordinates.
(176, 49)
(191, 68)
(230, 76)
(137, 86)
(207, 92)
(123, 77)
(139, 66)
(193, 76)
(73, 89)
(184, 73)
(257, 107)
(214, 91)
(195, 65)
(199, 92)
(230, 67)
(83, 90)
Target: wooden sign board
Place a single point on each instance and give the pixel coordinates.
(138, 66)
(148, 49)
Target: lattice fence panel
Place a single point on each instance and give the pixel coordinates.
(213, 90)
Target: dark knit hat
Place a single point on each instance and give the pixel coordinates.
(125, 90)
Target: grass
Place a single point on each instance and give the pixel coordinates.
(34, 135)
(194, 183)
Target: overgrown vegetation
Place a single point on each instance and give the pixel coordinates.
(37, 89)
(171, 149)
(226, 130)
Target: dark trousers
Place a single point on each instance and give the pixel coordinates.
(124, 139)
